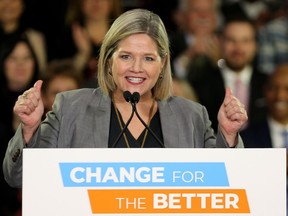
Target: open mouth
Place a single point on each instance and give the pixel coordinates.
(135, 80)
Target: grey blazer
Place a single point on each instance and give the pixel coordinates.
(81, 119)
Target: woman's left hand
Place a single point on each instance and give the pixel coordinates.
(232, 116)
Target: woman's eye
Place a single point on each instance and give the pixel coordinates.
(125, 57)
(149, 58)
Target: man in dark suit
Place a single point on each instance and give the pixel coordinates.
(235, 70)
(269, 133)
(272, 131)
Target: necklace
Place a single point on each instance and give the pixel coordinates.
(121, 126)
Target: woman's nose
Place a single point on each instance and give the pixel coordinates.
(137, 66)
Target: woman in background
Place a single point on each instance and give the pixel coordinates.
(87, 23)
(13, 25)
(18, 71)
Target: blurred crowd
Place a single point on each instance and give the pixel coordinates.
(241, 44)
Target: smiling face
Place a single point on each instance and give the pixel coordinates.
(277, 94)
(136, 65)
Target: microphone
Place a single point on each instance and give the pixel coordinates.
(134, 100)
(127, 95)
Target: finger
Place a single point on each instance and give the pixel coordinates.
(30, 106)
(34, 99)
(21, 108)
(34, 95)
(27, 100)
(237, 117)
(19, 103)
(34, 92)
(25, 95)
(233, 104)
(28, 96)
(25, 105)
(235, 110)
(234, 107)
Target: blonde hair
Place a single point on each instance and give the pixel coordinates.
(131, 22)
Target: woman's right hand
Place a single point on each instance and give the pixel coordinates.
(29, 108)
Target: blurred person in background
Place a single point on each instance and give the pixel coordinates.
(182, 88)
(87, 23)
(196, 44)
(272, 131)
(236, 70)
(60, 76)
(273, 42)
(268, 133)
(258, 11)
(18, 71)
(13, 25)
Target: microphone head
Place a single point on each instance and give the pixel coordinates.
(127, 95)
(136, 97)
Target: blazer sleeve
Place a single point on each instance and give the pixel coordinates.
(209, 140)
(45, 137)
(13, 160)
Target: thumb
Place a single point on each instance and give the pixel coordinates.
(38, 85)
(228, 94)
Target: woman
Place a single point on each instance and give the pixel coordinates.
(134, 57)
(13, 25)
(87, 23)
(18, 72)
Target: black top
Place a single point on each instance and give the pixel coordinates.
(150, 141)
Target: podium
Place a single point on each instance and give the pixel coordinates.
(90, 182)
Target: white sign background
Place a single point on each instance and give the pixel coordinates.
(261, 172)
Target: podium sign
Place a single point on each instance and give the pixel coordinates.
(166, 182)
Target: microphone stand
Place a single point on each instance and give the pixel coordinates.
(135, 98)
(127, 95)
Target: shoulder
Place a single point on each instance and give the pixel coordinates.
(186, 113)
(180, 104)
(35, 34)
(78, 92)
(80, 96)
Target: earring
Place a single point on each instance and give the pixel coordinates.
(161, 76)
(109, 72)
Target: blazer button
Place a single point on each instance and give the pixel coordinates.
(16, 155)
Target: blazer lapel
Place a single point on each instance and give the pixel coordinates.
(169, 125)
(101, 121)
